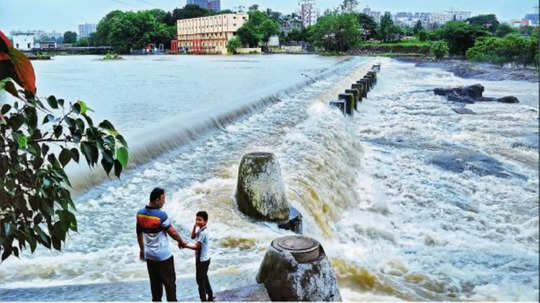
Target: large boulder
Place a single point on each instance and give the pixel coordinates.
(260, 190)
(473, 91)
(295, 268)
(508, 99)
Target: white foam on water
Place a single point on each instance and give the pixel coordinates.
(410, 200)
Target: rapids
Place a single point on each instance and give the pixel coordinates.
(410, 200)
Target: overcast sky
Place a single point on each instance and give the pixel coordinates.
(62, 15)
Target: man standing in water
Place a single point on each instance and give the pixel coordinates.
(153, 225)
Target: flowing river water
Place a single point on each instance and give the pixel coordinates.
(411, 200)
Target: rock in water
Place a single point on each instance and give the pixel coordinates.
(295, 268)
(260, 190)
(463, 111)
(508, 99)
(473, 91)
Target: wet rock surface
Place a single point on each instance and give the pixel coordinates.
(296, 269)
(260, 189)
(479, 164)
(473, 70)
(470, 94)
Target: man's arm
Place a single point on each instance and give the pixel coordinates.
(140, 239)
(174, 234)
(195, 246)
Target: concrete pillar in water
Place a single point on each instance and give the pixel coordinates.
(373, 75)
(260, 190)
(349, 103)
(295, 268)
(369, 80)
(365, 86)
(355, 94)
(339, 104)
(360, 89)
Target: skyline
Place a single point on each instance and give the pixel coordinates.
(68, 15)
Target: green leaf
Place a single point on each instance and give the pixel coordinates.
(105, 124)
(107, 165)
(122, 155)
(83, 108)
(22, 141)
(52, 102)
(90, 152)
(57, 130)
(48, 118)
(121, 139)
(117, 168)
(65, 156)
(75, 155)
(5, 109)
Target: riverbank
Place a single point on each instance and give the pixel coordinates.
(474, 70)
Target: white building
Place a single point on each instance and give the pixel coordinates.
(86, 29)
(23, 41)
(308, 15)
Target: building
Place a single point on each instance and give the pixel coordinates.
(455, 15)
(23, 41)
(214, 5)
(45, 45)
(86, 29)
(208, 35)
(533, 19)
(308, 15)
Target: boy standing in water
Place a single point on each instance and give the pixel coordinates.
(202, 257)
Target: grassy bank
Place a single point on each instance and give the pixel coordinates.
(414, 48)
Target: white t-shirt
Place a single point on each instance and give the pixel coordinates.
(202, 237)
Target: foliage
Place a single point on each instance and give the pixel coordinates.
(460, 36)
(112, 56)
(368, 26)
(439, 49)
(336, 32)
(422, 35)
(189, 11)
(418, 27)
(486, 22)
(510, 49)
(126, 30)
(387, 30)
(258, 28)
(37, 142)
(503, 30)
(83, 42)
(233, 45)
(70, 37)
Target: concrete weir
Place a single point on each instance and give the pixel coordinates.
(349, 101)
(295, 268)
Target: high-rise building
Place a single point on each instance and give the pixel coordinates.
(214, 5)
(86, 29)
(307, 12)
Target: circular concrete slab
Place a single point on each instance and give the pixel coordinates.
(303, 249)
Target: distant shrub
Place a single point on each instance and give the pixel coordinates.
(439, 49)
(233, 45)
(510, 49)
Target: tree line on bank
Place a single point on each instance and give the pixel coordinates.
(480, 38)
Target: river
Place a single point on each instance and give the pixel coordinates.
(410, 200)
